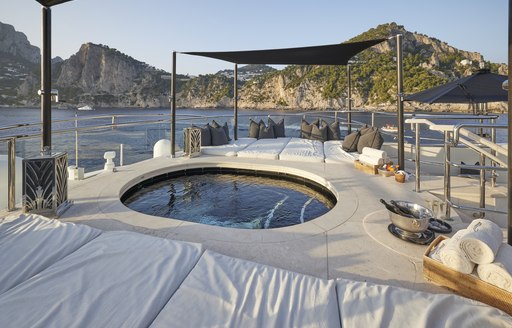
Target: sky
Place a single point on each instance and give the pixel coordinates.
(149, 30)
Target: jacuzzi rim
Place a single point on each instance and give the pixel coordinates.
(278, 175)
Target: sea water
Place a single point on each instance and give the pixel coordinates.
(138, 139)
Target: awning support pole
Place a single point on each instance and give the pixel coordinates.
(400, 102)
(46, 81)
(509, 155)
(173, 106)
(349, 99)
(235, 102)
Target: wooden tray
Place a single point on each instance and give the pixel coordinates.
(464, 284)
(371, 169)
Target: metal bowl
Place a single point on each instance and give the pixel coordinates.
(420, 221)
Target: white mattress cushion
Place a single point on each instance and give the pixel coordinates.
(265, 148)
(119, 279)
(368, 305)
(304, 150)
(31, 243)
(335, 154)
(231, 149)
(222, 291)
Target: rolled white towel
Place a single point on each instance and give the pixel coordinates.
(370, 160)
(498, 273)
(374, 153)
(435, 253)
(482, 241)
(453, 257)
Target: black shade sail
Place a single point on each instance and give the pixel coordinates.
(49, 3)
(481, 87)
(335, 54)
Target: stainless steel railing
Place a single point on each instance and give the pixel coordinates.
(452, 138)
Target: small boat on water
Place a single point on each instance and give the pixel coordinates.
(86, 107)
(389, 128)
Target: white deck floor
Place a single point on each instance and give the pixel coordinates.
(350, 241)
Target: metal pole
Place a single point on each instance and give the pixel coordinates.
(482, 185)
(11, 174)
(418, 156)
(235, 102)
(400, 103)
(173, 106)
(121, 155)
(76, 141)
(447, 177)
(509, 155)
(46, 81)
(373, 119)
(349, 98)
(493, 152)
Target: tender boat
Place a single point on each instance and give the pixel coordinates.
(86, 107)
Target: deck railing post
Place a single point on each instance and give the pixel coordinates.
(121, 155)
(482, 185)
(173, 106)
(418, 156)
(11, 174)
(349, 100)
(76, 141)
(400, 103)
(509, 121)
(447, 177)
(493, 152)
(235, 102)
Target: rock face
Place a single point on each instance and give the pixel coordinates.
(16, 44)
(104, 77)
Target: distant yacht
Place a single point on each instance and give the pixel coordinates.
(86, 107)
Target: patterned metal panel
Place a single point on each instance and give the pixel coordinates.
(45, 184)
(192, 140)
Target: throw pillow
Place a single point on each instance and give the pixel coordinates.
(278, 127)
(254, 129)
(305, 129)
(371, 139)
(333, 130)
(266, 132)
(218, 136)
(225, 127)
(319, 133)
(350, 142)
(365, 129)
(206, 137)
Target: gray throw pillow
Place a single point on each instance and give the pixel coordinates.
(333, 130)
(206, 136)
(218, 136)
(305, 129)
(266, 132)
(254, 129)
(319, 133)
(372, 139)
(365, 129)
(225, 127)
(350, 142)
(278, 127)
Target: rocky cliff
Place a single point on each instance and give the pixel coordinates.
(101, 76)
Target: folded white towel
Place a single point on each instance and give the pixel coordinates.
(370, 160)
(374, 153)
(435, 253)
(482, 241)
(498, 273)
(453, 257)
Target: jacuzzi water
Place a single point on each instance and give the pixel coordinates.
(231, 200)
